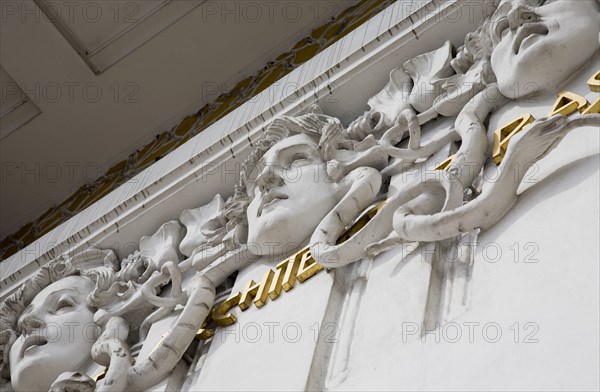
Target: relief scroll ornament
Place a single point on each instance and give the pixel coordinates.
(307, 180)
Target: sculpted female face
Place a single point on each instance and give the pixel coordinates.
(57, 333)
(540, 43)
(291, 195)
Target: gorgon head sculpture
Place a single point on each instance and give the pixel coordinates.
(308, 178)
(537, 44)
(54, 310)
(292, 181)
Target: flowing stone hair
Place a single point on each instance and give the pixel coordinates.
(328, 130)
(98, 265)
(330, 133)
(477, 47)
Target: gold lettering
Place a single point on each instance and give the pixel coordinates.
(292, 271)
(594, 83)
(567, 103)
(594, 108)
(256, 290)
(359, 224)
(375, 210)
(503, 135)
(308, 267)
(355, 228)
(205, 334)
(444, 165)
(221, 316)
(276, 285)
(263, 291)
(248, 294)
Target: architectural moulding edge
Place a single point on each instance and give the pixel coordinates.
(349, 56)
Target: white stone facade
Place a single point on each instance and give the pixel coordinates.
(475, 275)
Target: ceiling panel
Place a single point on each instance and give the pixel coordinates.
(88, 122)
(103, 32)
(16, 109)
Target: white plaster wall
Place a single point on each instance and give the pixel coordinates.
(269, 348)
(544, 301)
(558, 293)
(546, 309)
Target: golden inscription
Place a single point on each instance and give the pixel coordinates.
(248, 295)
(277, 284)
(263, 291)
(568, 103)
(594, 82)
(308, 267)
(221, 316)
(291, 272)
(300, 266)
(204, 334)
(446, 164)
(594, 108)
(503, 135)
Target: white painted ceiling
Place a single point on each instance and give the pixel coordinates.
(94, 80)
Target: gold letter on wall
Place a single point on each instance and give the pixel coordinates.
(220, 315)
(444, 165)
(594, 82)
(567, 103)
(594, 108)
(503, 135)
(259, 291)
(308, 267)
(291, 272)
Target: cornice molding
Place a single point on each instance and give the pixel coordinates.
(381, 36)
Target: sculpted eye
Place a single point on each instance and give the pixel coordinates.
(64, 304)
(501, 28)
(298, 157)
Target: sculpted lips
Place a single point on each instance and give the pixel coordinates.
(531, 31)
(269, 198)
(32, 341)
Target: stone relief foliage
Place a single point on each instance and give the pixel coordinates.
(338, 173)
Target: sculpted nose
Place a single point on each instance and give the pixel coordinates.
(520, 14)
(270, 177)
(31, 322)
